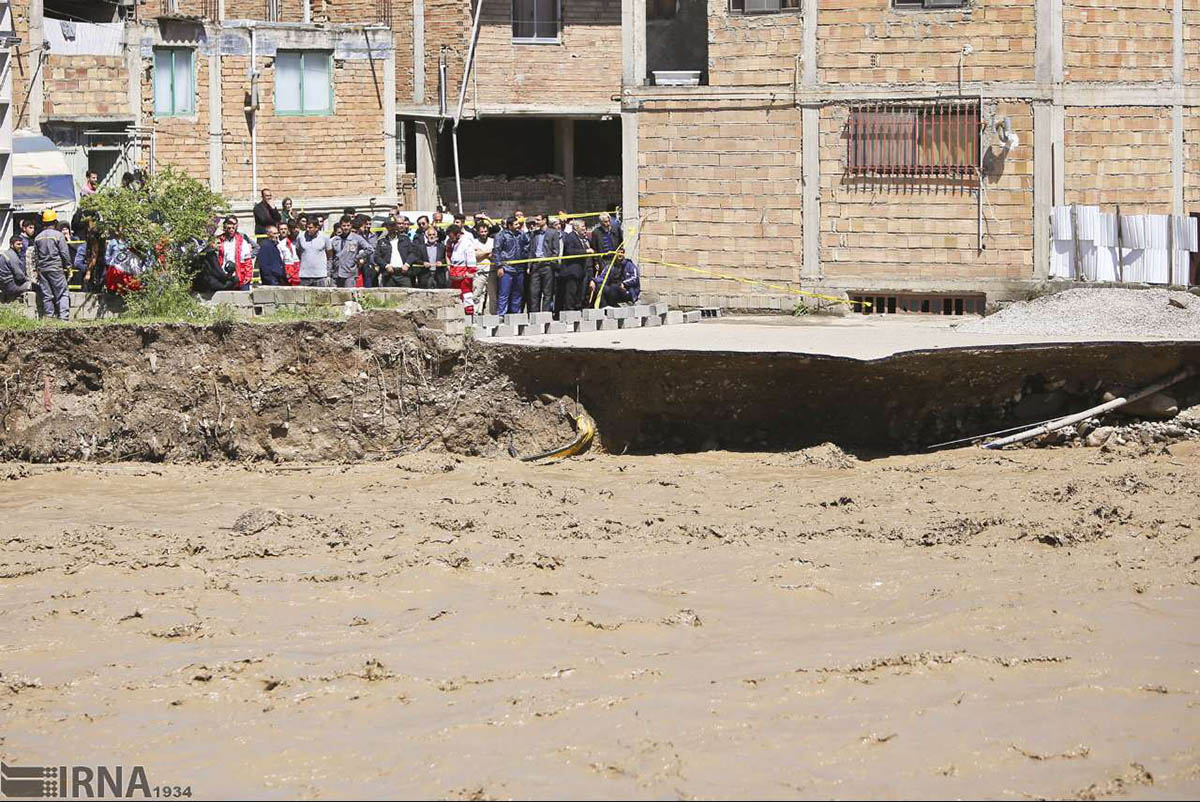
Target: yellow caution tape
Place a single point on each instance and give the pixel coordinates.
(779, 287)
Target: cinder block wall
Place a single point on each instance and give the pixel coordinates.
(182, 141)
(1117, 40)
(1191, 40)
(719, 189)
(883, 229)
(85, 86)
(1119, 155)
(868, 41)
(1191, 159)
(752, 50)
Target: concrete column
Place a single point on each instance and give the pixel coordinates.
(1049, 42)
(810, 171)
(33, 109)
(133, 70)
(418, 45)
(564, 159)
(633, 42)
(808, 45)
(427, 189)
(1058, 140)
(630, 208)
(216, 149)
(389, 120)
(1043, 187)
(1177, 76)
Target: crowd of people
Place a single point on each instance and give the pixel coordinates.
(536, 263)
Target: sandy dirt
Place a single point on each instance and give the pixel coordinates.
(960, 624)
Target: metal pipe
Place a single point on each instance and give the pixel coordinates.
(1108, 406)
(253, 114)
(462, 98)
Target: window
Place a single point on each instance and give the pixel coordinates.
(929, 3)
(916, 140)
(660, 9)
(536, 20)
(762, 6)
(304, 82)
(174, 82)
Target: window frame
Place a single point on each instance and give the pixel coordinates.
(651, 17)
(538, 40)
(741, 12)
(175, 110)
(304, 55)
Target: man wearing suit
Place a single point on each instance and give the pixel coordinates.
(572, 275)
(430, 270)
(542, 274)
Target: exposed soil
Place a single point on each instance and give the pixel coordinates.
(961, 624)
(379, 384)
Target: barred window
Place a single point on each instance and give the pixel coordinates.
(762, 6)
(914, 139)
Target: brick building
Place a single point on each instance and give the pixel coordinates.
(832, 143)
(906, 150)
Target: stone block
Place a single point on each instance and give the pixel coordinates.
(558, 327)
(608, 324)
(672, 318)
(631, 322)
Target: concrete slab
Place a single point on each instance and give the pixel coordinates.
(854, 337)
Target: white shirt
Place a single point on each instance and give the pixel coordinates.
(287, 251)
(397, 258)
(464, 252)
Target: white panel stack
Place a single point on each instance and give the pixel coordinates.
(1156, 246)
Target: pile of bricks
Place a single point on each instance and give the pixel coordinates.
(613, 318)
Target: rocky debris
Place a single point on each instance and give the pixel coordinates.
(251, 522)
(826, 455)
(1159, 406)
(1114, 431)
(1098, 312)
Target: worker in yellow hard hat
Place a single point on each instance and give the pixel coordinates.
(49, 216)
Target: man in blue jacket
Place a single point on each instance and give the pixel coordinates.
(270, 262)
(508, 248)
(623, 283)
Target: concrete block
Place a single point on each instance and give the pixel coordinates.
(484, 332)
(642, 310)
(505, 330)
(593, 314)
(587, 325)
(672, 318)
(541, 317)
(263, 295)
(486, 320)
(608, 324)
(693, 317)
(659, 308)
(532, 329)
(568, 316)
(652, 321)
(710, 311)
(261, 310)
(455, 312)
(515, 319)
(232, 298)
(558, 327)
(631, 322)
(619, 312)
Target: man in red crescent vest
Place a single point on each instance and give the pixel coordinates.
(239, 250)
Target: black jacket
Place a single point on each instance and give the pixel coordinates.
(408, 251)
(211, 275)
(264, 216)
(422, 253)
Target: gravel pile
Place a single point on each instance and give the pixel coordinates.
(1100, 312)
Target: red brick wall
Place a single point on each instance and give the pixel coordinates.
(85, 85)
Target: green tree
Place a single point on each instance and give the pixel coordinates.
(161, 221)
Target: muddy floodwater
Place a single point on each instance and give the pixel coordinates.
(958, 624)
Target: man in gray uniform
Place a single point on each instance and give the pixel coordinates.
(13, 280)
(53, 260)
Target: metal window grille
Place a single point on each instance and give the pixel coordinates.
(383, 12)
(274, 10)
(935, 139)
(929, 3)
(762, 6)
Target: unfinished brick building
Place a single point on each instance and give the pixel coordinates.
(906, 151)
